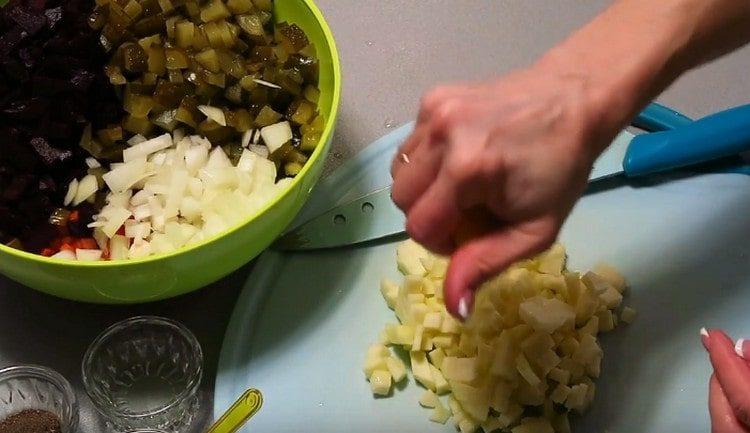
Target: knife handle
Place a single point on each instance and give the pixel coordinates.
(656, 117)
(718, 135)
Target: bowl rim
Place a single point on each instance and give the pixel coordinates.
(317, 154)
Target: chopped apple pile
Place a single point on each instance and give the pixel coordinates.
(525, 359)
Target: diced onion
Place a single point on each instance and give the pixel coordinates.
(266, 83)
(146, 148)
(92, 163)
(86, 255)
(71, 194)
(213, 113)
(276, 135)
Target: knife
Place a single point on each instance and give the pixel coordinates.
(374, 216)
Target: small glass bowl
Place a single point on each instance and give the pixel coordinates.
(143, 374)
(32, 387)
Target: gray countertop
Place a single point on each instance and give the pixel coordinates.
(392, 51)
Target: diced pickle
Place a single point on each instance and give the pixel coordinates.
(174, 55)
(234, 94)
(184, 34)
(309, 141)
(133, 9)
(149, 25)
(301, 112)
(294, 35)
(169, 95)
(209, 59)
(109, 136)
(176, 58)
(292, 168)
(133, 58)
(214, 11)
(171, 24)
(166, 6)
(312, 94)
(157, 61)
(138, 105)
(264, 5)
(239, 6)
(267, 116)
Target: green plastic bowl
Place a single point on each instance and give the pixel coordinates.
(188, 269)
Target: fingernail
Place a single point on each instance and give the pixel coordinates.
(463, 307)
(405, 158)
(704, 337)
(741, 347)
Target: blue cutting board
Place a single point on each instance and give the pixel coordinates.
(303, 322)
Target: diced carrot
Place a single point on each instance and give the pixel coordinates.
(47, 252)
(87, 244)
(68, 247)
(73, 217)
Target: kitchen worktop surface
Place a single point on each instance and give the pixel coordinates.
(391, 52)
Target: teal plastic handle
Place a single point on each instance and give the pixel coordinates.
(656, 117)
(718, 135)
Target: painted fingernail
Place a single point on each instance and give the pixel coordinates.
(463, 308)
(742, 347)
(704, 337)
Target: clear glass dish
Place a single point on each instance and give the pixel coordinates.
(32, 387)
(143, 374)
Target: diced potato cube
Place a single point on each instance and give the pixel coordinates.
(378, 351)
(444, 341)
(428, 287)
(432, 320)
(467, 344)
(400, 334)
(415, 298)
(511, 415)
(546, 315)
(450, 325)
(560, 393)
(459, 369)
(413, 285)
(534, 425)
(568, 346)
(389, 290)
(595, 282)
(501, 396)
(492, 424)
(611, 297)
(436, 357)
(611, 275)
(420, 367)
(380, 382)
(628, 315)
(417, 341)
(441, 385)
(440, 414)
(586, 305)
(577, 397)
(372, 364)
(552, 261)
(525, 370)
(429, 399)
(559, 375)
(606, 321)
(408, 258)
(417, 312)
(467, 426)
(396, 367)
(560, 423)
(591, 327)
(503, 364)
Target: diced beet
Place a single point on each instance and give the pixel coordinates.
(54, 15)
(10, 40)
(29, 22)
(17, 187)
(27, 109)
(49, 154)
(29, 56)
(15, 71)
(82, 80)
(47, 184)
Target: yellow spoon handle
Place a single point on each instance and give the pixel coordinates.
(236, 416)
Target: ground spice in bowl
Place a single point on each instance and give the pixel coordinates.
(31, 421)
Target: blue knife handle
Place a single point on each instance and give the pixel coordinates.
(656, 117)
(718, 135)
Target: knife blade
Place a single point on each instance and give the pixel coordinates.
(374, 216)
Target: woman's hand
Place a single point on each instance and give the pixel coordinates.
(519, 149)
(493, 169)
(729, 388)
